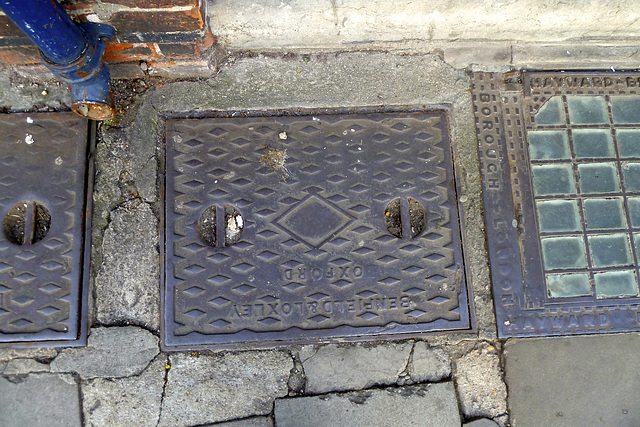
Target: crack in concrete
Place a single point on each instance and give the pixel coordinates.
(164, 388)
(297, 381)
(404, 374)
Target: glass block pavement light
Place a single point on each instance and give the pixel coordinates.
(560, 157)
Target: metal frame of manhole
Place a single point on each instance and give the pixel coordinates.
(45, 238)
(555, 175)
(239, 191)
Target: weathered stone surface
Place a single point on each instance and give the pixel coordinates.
(574, 381)
(244, 24)
(40, 400)
(482, 422)
(429, 364)
(427, 405)
(206, 389)
(24, 366)
(127, 287)
(110, 353)
(6, 354)
(353, 367)
(247, 422)
(479, 383)
(133, 401)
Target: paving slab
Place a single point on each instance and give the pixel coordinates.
(111, 353)
(481, 388)
(42, 353)
(429, 364)
(352, 367)
(127, 287)
(574, 381)
(133, 401)
(424, 405)
(40, 400)
(24, 367)
(206, 389)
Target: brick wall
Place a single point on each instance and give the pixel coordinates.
(160, 33)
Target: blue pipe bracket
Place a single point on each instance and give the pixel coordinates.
(73, 52)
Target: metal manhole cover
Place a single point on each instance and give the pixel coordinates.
(560, 157)
(303, 228)
(43, 245)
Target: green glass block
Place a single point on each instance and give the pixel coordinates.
(616, 283)
(608, 250)
(558, 215)
(563, 252)
(591, 143)
(604, 213)
(599, 178)
(553, 179)
(631, 173)
(568, 285)
(625, 109)
(628, 142)
(587, 110)
(636, 240)
(551, 113)
(633, 206)
(548, 144)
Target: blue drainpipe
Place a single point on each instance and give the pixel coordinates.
(72, 52)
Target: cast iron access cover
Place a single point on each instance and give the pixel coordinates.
(306, 228)
(43, 245)
(560, 155)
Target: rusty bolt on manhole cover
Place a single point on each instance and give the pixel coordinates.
(27, 222)
(395, 220)
(232, 226)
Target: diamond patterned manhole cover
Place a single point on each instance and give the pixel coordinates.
(43, 243)
(560, 156)
(292, 229)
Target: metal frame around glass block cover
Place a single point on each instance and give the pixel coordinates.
(560, 159)
(316, 261)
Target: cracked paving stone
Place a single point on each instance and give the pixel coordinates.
(204, 389)
(132, 401)
(353, 367)
(479, 382)
(24, 367)
(127, 286)
(50, 400)
(429, 364)
(6, 354)
(425, 405)
(110, 353)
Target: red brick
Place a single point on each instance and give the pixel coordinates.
(77, 4)
(124, 52)
(178, 51)
(20, 55)
(158, 22)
